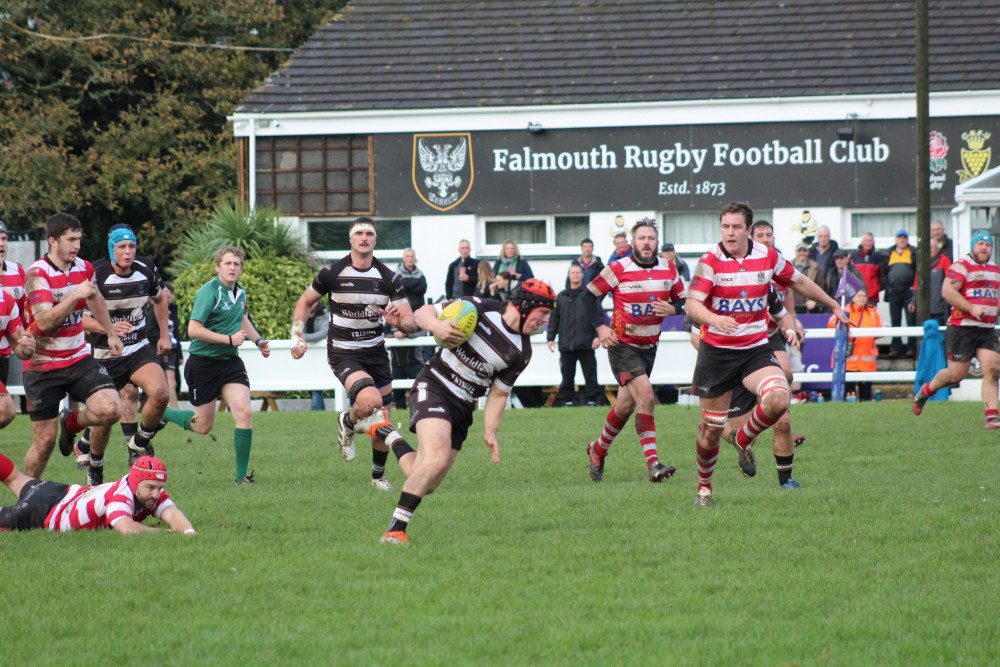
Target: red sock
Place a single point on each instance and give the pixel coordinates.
(6, 467)
(706, 466)
(992, 415)
(72, 423)
(757, 424)
(613, 424)
(925, 389)
(646, 430)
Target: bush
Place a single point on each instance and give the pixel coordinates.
(273, 285)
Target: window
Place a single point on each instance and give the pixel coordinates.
(696, 229)
(331, 235)
(538, 233)
(310, 175)
(885, 224)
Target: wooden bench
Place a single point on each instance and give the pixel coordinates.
(267, 402)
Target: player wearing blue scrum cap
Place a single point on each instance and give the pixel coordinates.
(127, 281)
(970, 288)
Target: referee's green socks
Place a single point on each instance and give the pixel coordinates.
(180, 417)
(242, 439)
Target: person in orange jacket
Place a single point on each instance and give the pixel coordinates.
(861, 352)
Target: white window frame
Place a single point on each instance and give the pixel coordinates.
(528, 249)
(384, 254)
(883, 242)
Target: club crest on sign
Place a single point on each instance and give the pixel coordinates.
(442, 168)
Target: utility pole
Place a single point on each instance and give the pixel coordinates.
(923, 192)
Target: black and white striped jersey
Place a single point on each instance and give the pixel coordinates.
(355, 296)
(126, 297)
(492, 355)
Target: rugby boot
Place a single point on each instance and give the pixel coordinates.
(659, 472)
(66, 438)
(395, 537)
(596, 462)
(703, 498)
(345, 439)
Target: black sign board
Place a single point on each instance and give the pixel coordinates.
(854, 163)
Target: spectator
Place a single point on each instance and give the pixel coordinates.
(822, 251)
(460, 280)
(510, 260)
(861, 352)
(668, 253)
(622, 247)
(485, 282)
(501, 287)
(414, 282)
(577, 342)
(841, 263)
(590, 263)
(869, 262)
(317, 325)
(810, 269)
(940, 263)
(898, 276)
(937, 233)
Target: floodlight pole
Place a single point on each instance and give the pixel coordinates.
(923, 193)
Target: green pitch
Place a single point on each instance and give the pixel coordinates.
(886, 555)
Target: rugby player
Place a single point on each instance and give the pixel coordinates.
(12, 282)
(127, 281)
(363, 294)
(970, 288)
(728, 298)
(60, 285)
(445, 393)
(646, 289)
(121, 505)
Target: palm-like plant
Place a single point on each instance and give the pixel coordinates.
(257, 232)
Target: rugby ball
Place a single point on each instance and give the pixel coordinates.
(464, 315)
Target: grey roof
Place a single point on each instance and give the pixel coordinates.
(423, 54)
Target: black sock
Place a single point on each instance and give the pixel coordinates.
(400, 448)
(142, 436)
(129, 429)
(348, 422)
(404, 511)
(378, 463)
(784, 464)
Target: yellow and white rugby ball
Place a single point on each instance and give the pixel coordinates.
(464, 315)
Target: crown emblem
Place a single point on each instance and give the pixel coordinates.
(976, 139)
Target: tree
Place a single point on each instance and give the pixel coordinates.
(128, 130)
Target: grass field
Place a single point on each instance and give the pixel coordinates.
(887, 554)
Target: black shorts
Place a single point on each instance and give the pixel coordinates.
(429, 400)
(206, 376)
(37, 499)
(170, 361)
(46, 389)
(776, 341)
(374, 361)
(962, 342)
(718, 368)
(4, 369)
(741, 402)
(628, 362)
(122, 368)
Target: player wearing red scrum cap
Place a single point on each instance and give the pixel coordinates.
(122, 504)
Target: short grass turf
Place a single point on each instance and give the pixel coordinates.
(887, 554)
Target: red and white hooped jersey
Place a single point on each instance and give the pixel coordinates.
(635, 288)
(12, 281)
(738, 288)
(979, 287)
(65, 345)
(102, 506)
(10, 318)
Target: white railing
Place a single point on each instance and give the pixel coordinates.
(674, 364)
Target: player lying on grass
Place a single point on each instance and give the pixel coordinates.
(121, 505)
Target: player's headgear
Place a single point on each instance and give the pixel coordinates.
(532, 293)
(117, 234)
(146, 468)
(981, 235)
(362, 223)
(3, 227)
